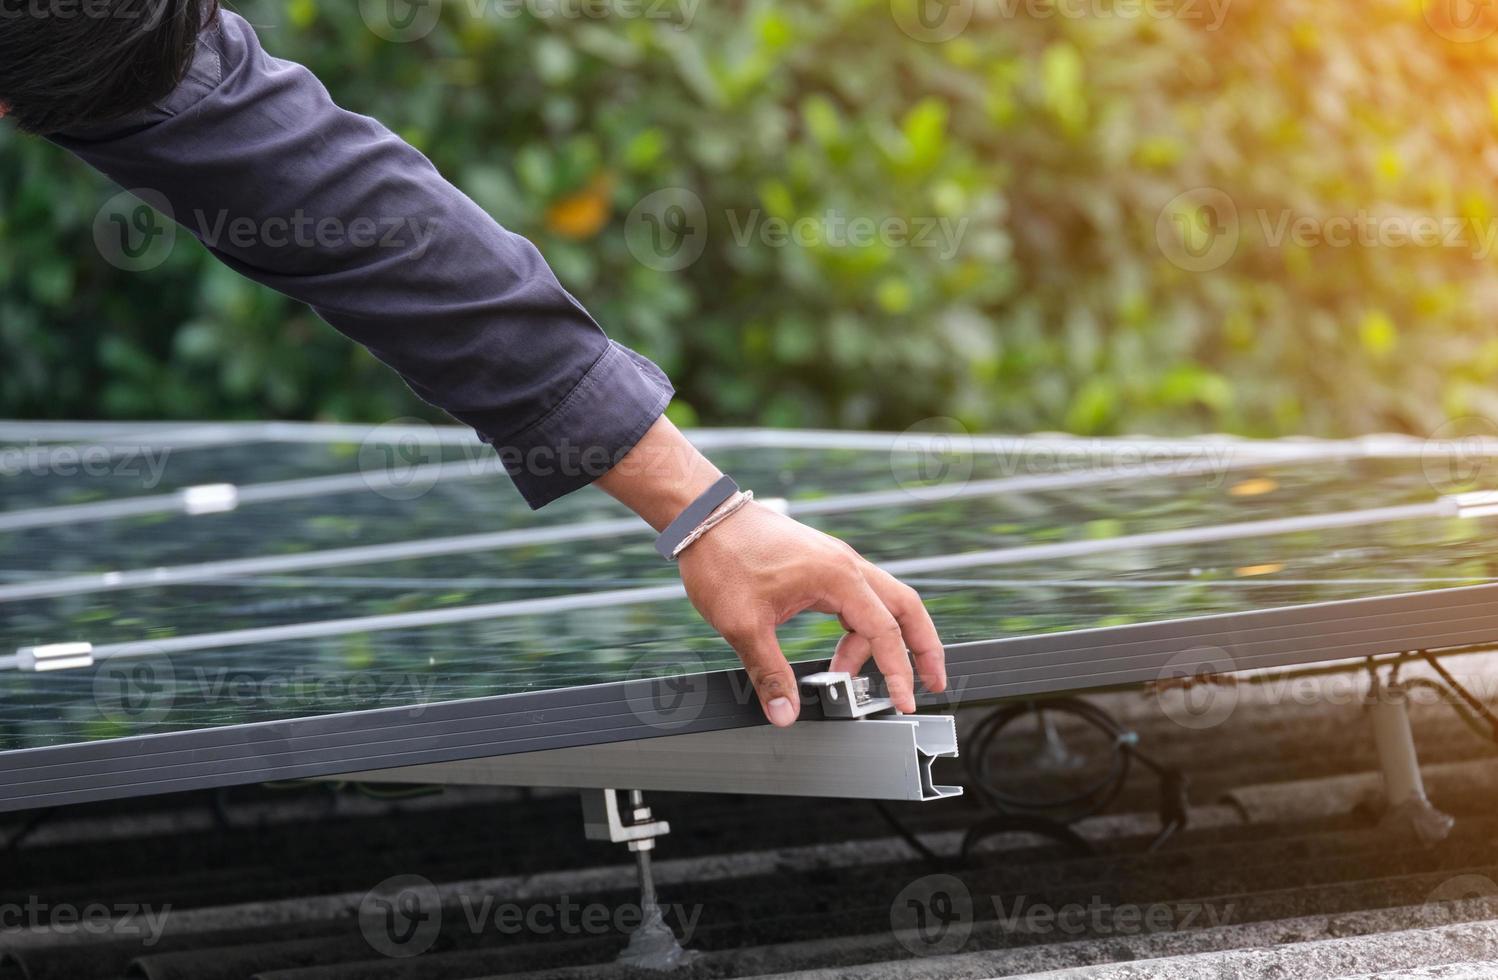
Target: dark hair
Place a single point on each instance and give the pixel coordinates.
(66, 64)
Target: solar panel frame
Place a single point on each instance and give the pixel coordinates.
(578, 716)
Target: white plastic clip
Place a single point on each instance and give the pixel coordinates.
(210, 498)
(55, 656)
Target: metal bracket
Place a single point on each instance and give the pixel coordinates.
(602, 820)
(886, 758)
(839, 695)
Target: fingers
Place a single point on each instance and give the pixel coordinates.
(866, 614)
(772, 677)
(915, 625)
(853, 651)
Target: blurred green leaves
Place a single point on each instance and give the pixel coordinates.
(1049, 145)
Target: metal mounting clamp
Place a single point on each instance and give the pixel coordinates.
(839, 695)
(605, 819)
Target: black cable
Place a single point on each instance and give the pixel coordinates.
(1016, 814)
(1012, 823)
(1175, 803)
(378, 792)
(992, 825)
(937, 861)
(1453, 701)
(1053, 817)
(29, 823)
(1093, 798)
(1473, 701)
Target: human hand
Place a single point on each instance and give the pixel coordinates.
(759, 568)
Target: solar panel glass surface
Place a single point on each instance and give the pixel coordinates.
(1002, 546)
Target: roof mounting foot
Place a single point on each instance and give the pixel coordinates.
(652, 946)
(1407, 807)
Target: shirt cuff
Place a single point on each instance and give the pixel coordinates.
(590, 430)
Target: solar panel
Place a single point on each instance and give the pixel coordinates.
(283, 601)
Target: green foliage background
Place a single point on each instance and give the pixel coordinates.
(1058, 138)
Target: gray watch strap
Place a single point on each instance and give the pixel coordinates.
(697, 512)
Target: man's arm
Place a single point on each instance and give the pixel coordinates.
(473, 319)
(333, 209)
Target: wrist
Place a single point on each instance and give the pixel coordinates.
(672, 496)
(721, 501)
(661, 476)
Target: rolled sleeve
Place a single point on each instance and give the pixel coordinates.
(589, 430)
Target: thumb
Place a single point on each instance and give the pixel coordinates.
(773, 679)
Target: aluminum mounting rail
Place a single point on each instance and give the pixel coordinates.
(884, 758)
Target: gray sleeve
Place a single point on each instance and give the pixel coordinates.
(331, 208)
